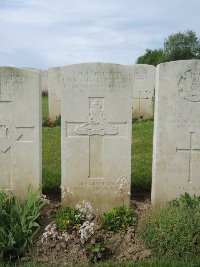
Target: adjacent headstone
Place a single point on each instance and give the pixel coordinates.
(176, 154)
(54, 92)
(143, 91)
(44, 82)
(96, 106)
(20, 131)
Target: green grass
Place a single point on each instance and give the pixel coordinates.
(141, 158)
(149, 263)
(51, 157)
(45, 107)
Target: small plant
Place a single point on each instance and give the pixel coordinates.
(57, 121)
(174, 231)
(18, 225)
(52, 233)
(186, 201)
(86, 230)
(47, 122)
(69, 218)
(118, 219)
(98, 250)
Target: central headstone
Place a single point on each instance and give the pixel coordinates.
(96, 134)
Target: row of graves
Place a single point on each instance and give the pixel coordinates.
(96, 101)
(143, 90)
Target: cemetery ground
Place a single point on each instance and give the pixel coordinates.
(127, 248)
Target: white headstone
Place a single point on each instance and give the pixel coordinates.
(176, 155)
(20, 130)
(54, 92)
(143, 90)
(96, 134)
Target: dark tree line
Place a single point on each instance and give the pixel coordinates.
(178, 46)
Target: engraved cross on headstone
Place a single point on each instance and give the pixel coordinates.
(189, 150)
(10, 134)
(97, 128)
(139, 100)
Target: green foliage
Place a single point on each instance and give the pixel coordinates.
(151, 57)
(178, 46)
(47, 122)
(118, 219)
(18, 225)
(183, 46)
(174, 231)
(68, 218)
(97, 250)
(186, 201)
(57, 121)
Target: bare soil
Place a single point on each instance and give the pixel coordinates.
(123, 246)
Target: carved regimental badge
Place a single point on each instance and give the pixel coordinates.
(97, 124)
(8, 134)
(189, 85)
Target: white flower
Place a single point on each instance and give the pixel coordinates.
(86, 209)
(86, 230)
(51, 232)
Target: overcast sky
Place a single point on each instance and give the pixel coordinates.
(49, 33)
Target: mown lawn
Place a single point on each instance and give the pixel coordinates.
(141, 158)
(45, 107)
(51, 157)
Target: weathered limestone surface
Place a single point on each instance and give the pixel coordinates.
(143, 90)
(20, 130)
(54, 92)
(96, 106)
(176, 155)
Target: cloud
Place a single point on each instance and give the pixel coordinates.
(51, 33)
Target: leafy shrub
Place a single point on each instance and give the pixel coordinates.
(47, 122)
(186, 201)
(118, 219)
(68, 218)
(57, 121)
(98, 250)
(174, 231)
(18, 225)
